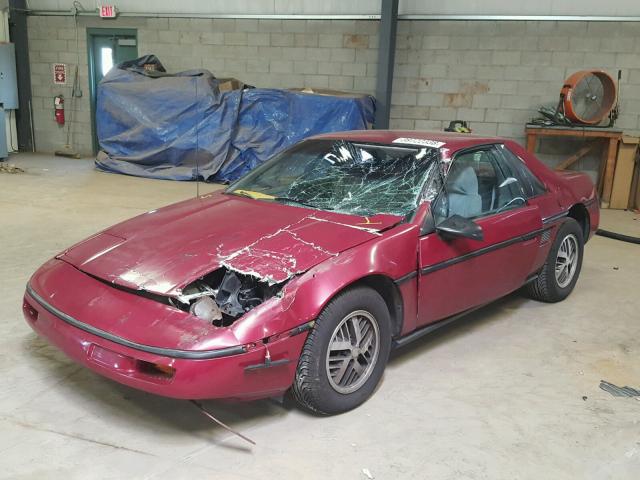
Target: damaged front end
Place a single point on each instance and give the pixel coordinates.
(142, 340)
(223, 296)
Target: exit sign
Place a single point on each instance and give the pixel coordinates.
(108, 11)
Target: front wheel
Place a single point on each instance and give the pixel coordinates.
(345, 354)
(562, 268)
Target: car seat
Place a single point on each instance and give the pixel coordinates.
(462, 193)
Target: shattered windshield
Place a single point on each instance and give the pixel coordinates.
(346, 177)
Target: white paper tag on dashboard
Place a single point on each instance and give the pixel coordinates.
(419, 141)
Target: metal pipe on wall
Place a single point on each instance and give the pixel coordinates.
(541, 18)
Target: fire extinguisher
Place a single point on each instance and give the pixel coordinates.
(58, 104)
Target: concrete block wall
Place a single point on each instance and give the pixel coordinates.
(493, 74)
(496, 74)
(268, 53)
(336, 54)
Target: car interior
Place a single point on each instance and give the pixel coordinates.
(479, 184)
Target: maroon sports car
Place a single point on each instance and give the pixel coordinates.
(304, 274)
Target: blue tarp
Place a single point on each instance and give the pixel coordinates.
(164, 126)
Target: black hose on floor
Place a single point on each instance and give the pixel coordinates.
(618, 236)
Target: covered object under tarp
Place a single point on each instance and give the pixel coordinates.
(181, 126)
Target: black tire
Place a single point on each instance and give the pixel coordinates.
(547, 288)
(312, 387)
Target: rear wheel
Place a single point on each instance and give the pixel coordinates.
(560, 272)
(345, 354)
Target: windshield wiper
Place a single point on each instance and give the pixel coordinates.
(240, 194)
(251, 194)
(300, 202)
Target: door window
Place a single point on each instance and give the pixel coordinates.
(479, 183)
(106, 59)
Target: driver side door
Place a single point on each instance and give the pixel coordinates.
(458, 273)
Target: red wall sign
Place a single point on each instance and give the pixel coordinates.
(59, 73)
(108, 11)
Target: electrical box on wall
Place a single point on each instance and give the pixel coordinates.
(8, 79)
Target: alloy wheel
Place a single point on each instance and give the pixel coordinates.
(566, 260)
(353, 351)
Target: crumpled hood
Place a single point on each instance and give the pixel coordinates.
(164, 250)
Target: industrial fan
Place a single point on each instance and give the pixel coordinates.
(587, 97)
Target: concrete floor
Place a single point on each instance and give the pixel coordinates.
(511, 392)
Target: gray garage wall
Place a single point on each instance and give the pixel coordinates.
(337, 54)
(493, 74)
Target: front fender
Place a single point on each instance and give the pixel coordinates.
(393, 255)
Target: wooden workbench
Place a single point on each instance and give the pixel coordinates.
(597, 135)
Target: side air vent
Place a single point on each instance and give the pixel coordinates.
(545, 237)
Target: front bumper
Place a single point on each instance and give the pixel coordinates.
(247, 372)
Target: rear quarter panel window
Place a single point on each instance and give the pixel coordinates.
(531, 184)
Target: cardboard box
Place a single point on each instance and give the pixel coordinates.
(634, 200)
(227, 84)
(623, 176)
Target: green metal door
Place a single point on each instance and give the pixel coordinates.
(107, 48)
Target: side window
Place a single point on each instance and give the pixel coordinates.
(479, 183)
(531, 185)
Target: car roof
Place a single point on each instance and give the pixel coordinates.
(452, 140)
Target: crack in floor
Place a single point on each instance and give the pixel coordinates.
(74, 436)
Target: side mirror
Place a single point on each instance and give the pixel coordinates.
(457, 226)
